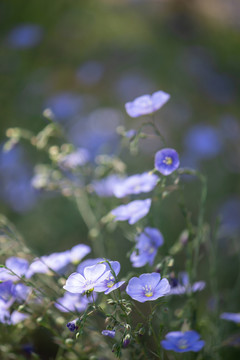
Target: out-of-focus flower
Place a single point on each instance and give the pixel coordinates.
(183, 341)
(126, 340)
(72, 302)
(235, 317)
(58, 261)
(203, 141)
(229, 214)
(146, 104)
(90, 73)
(105, 187)
(147, 287)
(110, 333)
(92, 280)
(18, 265)
(6, 290)
(64, 105)
(77, 158)
(17, 317)
(182, 285)
(147, 245)
(166, 161)
(21, 292)
(25, 36)
(133, 211)
(135, 184)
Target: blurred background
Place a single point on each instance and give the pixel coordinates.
(85, 60)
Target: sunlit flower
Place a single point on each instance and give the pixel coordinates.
(166, 161)
(146, 104)
(92, 280)
(136, 184)
(133, 211)
(147, 287)
(183, 341)
(147, 245)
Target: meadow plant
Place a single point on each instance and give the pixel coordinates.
(90, 308)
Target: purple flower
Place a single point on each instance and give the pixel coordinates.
(65, 105)
(17, 317)
(110, 282)
(88, 262)
(183, 341)
(25, 36)
(77, 158)
(58, 261)
(147, 245)
(110, 333)
(166, 161)
(72, 302)
(92, 279)
(21, 292)
(6, 290)
(73, 325)
(105, 187)
(133, 211)
(146, 104)
(135, 184)
(90, 72)
(182, 285)
(18, 265)
(235, 317)
(147, 287)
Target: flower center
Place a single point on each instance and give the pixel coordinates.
(110, 281)
(168, 160)
(182, 344)
(148, 291)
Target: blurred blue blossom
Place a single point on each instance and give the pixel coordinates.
(92, 280)
(135, 184)
(229, 213)
(203, 141)
(147, 287)
(147, 245)
(183, 341)
(15, 180)
(182, 285)
(166, 161)
(58, 261)
(64, 105)
(105, 187)
(110, 333)
(25, 36)
(90, 73)
(235, 317)
(72, 302)
(146, 104)
(133, 211)
(19, 267)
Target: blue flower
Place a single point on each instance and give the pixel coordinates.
(25, 36)
(21, 292)
(18, 265)
(105, 187)
(235, 317)
(110, 282)
(182, 285)
(64, 105)
(147, 287)
(146, 104)
(166, 161)
(147, 245)
(135, 184)
(90, 73)
(183, 341)
(133, 211)
(58, 261)
(92, 280)
(203, 141)
(110, 333)
(73, 325)
(72, 302)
